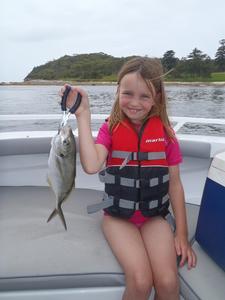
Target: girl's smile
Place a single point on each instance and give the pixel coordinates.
(135, 98)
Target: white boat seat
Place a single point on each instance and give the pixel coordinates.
(195, 148)
(35, 254)
(25, 146)
(205, 282)
(39, 255)
(42, 145)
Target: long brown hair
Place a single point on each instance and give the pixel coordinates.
(151, 70)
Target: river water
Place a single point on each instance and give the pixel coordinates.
(183, 100)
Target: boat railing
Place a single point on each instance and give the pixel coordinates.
(178, 123)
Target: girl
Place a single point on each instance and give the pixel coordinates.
(142, 157)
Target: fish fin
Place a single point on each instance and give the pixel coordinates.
(69, 192)
(58, 211)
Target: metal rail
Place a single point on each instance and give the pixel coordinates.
(180, 121)
(216, 141)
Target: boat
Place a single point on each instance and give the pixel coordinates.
(40, 260)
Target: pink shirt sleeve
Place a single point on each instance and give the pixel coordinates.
(173, 153)
(104, 136)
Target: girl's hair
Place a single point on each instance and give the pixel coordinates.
(151, 70)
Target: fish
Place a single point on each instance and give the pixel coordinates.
(62, 169)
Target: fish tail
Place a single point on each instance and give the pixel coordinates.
(58, 211)
(61, 215)
(52, 215)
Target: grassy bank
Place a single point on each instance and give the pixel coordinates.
(219, 76)
(214, 77)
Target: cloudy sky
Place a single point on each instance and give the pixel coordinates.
(33, 32)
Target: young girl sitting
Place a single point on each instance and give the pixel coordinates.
(142, 156)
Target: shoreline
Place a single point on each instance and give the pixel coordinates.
(62, 82)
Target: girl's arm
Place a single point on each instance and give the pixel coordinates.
(92, 156)
(176, 193)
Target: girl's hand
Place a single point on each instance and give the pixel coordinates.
(84, 105)
(184, 250)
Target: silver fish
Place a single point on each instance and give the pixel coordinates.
(62, 168)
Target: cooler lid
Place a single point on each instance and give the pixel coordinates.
(219, 161)
(217, 169)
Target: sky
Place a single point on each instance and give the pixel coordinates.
(33, 32)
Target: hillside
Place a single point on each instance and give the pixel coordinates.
(94, 66)
(102, 67)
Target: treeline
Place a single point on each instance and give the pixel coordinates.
(197, 65)
(102, 67)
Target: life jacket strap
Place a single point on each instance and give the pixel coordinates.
(127, 156)
(138, 155)
(108, 178)
(170, 219)
(165, 199)
(93, 208)
(108, 201)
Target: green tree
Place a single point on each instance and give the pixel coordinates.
(197, 54)
(169, 60)
(198, 64)
(220, 56)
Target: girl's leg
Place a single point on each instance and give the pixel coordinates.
(126, 243)
(159, 241)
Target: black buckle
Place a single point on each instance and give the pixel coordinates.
(139, 156)
(143, 183)
(163, 211)
(142, 155)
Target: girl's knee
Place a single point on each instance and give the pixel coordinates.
(167, 284)
(140, 282)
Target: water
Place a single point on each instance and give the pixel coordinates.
(185, 101)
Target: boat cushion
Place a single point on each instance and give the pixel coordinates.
(34, 145)
(205, 281)
(195, 148)
(40, 255)
(33, 251)
(25, 145)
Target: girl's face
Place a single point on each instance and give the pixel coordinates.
(135, 98)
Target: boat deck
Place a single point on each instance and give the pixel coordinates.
(40, 260)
